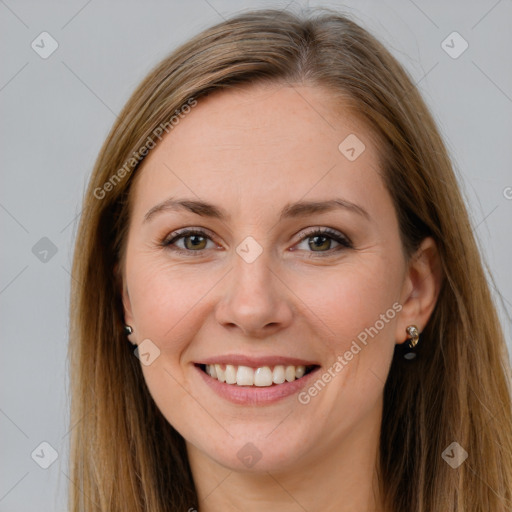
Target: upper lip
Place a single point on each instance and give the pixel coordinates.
(257, 362)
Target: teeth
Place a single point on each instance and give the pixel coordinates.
(289, 373)
(299, 372)
(230, 374)
(221, 374)
(278, 374)
(244, 376)
(264, 376)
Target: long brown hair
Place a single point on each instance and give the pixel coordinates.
(124, 454)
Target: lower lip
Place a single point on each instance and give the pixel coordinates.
(253, 395)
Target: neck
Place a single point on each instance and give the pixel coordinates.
(341, 478)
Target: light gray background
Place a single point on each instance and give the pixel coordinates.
(56, 113)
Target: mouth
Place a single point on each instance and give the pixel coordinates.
(259, 377)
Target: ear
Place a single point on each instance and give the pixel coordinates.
(421, 288)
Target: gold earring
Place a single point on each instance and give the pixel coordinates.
(412, 331)
(410, 344)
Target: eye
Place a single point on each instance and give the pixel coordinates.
(320, 240)
(194, 241)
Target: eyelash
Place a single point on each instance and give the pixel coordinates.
(344, 241)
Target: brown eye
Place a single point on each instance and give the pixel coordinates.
(194, 242)
(319, 242)
(189, 241)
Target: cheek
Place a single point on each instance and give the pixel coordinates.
(166, 299)
(357, 307)
(352, 300)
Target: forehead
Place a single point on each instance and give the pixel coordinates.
(259, 147)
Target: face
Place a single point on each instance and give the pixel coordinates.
(293, 272)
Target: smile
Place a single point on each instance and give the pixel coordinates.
(262, 376)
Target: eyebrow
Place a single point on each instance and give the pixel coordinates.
(298, 209)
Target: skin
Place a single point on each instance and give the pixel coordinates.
(251, 151)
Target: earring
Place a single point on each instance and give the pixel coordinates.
(409, 349)
(128, 329)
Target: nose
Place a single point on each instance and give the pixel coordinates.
(255, 300)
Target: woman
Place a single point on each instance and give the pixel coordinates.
(278, 301)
